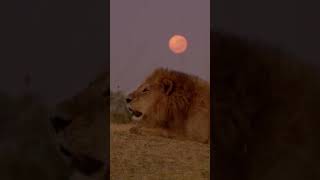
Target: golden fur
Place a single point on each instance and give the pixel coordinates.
(172, 104)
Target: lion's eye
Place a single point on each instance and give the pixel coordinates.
(145, 90)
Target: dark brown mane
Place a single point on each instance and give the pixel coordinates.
(179, 102)
(177, 106)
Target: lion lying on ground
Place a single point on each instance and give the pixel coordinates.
(172, 104)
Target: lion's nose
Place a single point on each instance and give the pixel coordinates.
(128, 100)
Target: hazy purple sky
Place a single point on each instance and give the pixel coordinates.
(63, 45)
(140, 30)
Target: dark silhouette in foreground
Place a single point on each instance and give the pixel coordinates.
(265, 110)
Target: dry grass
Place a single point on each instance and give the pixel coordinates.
(135, 157)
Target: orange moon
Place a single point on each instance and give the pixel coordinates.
(178, 44)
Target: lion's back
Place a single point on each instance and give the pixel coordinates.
(198, 123)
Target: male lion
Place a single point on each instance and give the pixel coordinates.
(172, 104)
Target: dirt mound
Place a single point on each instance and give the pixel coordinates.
(152, 158)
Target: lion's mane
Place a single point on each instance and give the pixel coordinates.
(187, 105)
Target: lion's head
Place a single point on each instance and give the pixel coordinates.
(79, 120)
(161, 97)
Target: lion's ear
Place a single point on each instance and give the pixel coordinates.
(167, 86)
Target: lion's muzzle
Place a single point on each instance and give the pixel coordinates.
(135, 113)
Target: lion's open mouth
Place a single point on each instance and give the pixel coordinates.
(136, 114)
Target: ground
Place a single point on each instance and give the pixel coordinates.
(136, 157)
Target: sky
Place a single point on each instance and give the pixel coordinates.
(139, 35)
(63, 47)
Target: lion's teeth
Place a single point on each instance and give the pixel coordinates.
(135, 118)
